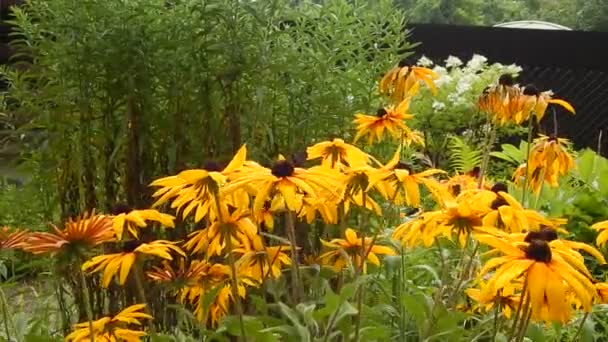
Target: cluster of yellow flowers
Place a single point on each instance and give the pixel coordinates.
(529, 269)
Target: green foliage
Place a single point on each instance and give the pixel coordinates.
(463, 157)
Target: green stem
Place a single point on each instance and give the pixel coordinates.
(141, 293)
(580, 327)
(231, 261)
(87, 300)
(524, 323)
(5, 315)
(526, 180)
(465, 273)
(295, 276)
(523, 298)
(359, 270)
(486, 155)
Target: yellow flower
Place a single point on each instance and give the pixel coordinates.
(412, 137)
(503, 102)
(265, 216)
(12, 239)
(111, 264)
(197, 190)
(397, 182)
(536, 103)
(460, 216)
(551, 155)
(458, 183)
(602, 291)
(327, 209)
(602, 228)
(351, 250)
(261, 262)
(506, 298)
(336, 153)
(548, 275)
(389, 119)
(287, 182)
(136, 219)
(84, 232)
(357, 181)
(111, 329)
(212, 240)
(403, 81)
(508, 214)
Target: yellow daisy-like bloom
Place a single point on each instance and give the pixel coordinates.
(121, 263)
(507, 299)
(602, 228)
(288, 183)
(261, 262)
(136, 219)
(459, 217)
(397, 182)
(548, 273)
(535, 177)
(602, 291)
(351, 250)
(389, 119)
(503, 102)
(112, 329)
(265, 216)
(536, 103)
(328, 210)
(196, 191)
(403, 81)
(212, 240)
(458, 183)
(357, 181)
(83, 232)
(551, 154)
(509, 215)
(411, 137)
(12, 239)
(337, 153)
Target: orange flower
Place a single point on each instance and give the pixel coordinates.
(389, 119)
(403, 81)
(12, 240)
(86, 231)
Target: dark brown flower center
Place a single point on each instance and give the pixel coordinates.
(506, 80)
(539, 250)
(282, 168)
(544, 234)
(474, 172)
(381, 112)
(498, 187)
(212, 166)
(531, 90)
(121, 208)
(403, 63)
(498, 202)
(130, 245)
(404, 166)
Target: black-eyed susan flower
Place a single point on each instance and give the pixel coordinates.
(121, 263)
(547, 274)
(196, 191)
(507, 299)
(14, 239)
(458, 183)
(389, 119)
(357, 189)
(403, 81)
(353, 250)
(112, 329)
(337, 153)
(503, 102)
(77, 235)
(458, 218)
(602, 292)
(287, 183)
(550, 154)
(509, 215)
(213, 240)
(602, 228)
(396, 181)
(536, 102)
(261, 262)
(412, 137)
(327, 210)
(265, 216)
(137, 219)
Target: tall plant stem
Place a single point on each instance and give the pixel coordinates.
(141, 293)
(580, 327)
(524, 322)
(527, 169)
(486, 155)
(87, 300)
(522, 304)
(295, 276)
(234, 282)
(5, 315)
(359, 268)
(465, 273)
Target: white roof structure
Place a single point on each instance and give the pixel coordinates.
(533, 24)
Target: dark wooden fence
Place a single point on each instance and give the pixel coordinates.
(571, 63)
